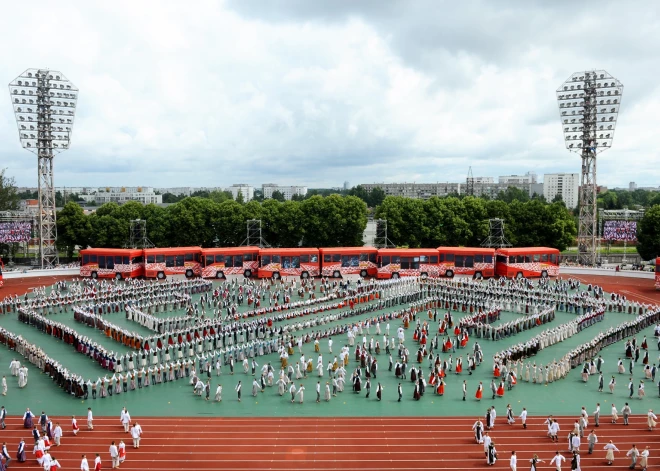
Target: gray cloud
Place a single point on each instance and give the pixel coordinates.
(321, 92)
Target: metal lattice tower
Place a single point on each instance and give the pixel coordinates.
(589, 106)
(381, 241)
(254, 236)
(496, 238)
(138, 235)
(44, 104)
(469, 183)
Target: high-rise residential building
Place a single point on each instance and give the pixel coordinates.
(632, 186)
(288, 191)
(484, 180)
(141, 194)
(565, 184)
(416, 190)
(347, 186)
(245, 190)
(527, 179)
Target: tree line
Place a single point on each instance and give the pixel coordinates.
(318, 222)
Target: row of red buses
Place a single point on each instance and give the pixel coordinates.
(334, 262)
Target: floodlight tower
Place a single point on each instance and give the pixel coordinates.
(589, 106)
(44, 104)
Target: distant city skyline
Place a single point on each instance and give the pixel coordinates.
(319, 93)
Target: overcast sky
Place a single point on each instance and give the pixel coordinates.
(315, 93)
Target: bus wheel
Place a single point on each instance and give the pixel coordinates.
(544, 274)
(95, 275)
(478, 275)
(336, 274)
(363, 274)
(117, 276)
(449, 274)
(519, 275)
(189, 273)
(395, 276)
(247, 273)
(160, 275)
(304, 275)
(424, 275)
(276, 275)
(219, 275)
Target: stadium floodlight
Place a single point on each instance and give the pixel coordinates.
(588, 108)
(44, 103)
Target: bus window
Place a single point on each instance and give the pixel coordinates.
(433, 259)
(355, 261)
(449, 257)
(512, 259)
(160, 258)
(209, 260)
(101, 261)
(286, 262)
(396, 259)
(125, 260)
(336, 257)
(520, 259)
(265, 260)
(327, 258)
(478, 258)
(110, 262)
(118, 260)
(415, 263)
(85, 259)
(544, 258)
(93, 258)
(364, 257)
(238, 260)
(553, 259)
(345, 261)
(405, 263)
(276, 259)
(458, 261)
(180, 260)
(489, 259)
(469, 261)
(169, 261)
(384, 261)
(229, 261)
(151, 259)
(304, 259)
(442, 257)
(189, 257)
(372, 257)
(536, 257)
(528, 259)
(423, 259)
(295, 262)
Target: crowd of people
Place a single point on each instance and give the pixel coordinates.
(15, 232)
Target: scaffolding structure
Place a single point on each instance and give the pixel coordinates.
(469, 183)
(496, 238)
(381, 241)
(254, 236)
(138, 235)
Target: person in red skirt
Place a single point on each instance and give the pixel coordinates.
(74, 425)
(441, 388)
(459, 365)
(500, 389)
(480, 391)
(97, 463)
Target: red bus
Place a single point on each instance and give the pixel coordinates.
(394, 263)
(527, 262)
(220, 262)
(111, 263)
(657, 274)
(276, 263)
(173, 261)
(479, 262)
(339, 261)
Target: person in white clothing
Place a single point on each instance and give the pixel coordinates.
(57, 434)
(557, 461)
(125, 419)
(90, 419)
(513, 461)
(114, 455)
(136, 433)
(84, 465)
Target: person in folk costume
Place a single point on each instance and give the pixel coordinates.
(416, 392)
(500, 389)
(480, 391)
(651, 418)
(20, 454)
(441, 387)
(644, 458)
(379, 392)
(97, 463)
(478, 428)
(491, 455)
(27, 419)
(510, 419)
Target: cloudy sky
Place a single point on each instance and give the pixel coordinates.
(316, 93)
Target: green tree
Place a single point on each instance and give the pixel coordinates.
(239, 197)
(220, 196)
(558, 198)
(513, 194)
(376, 197)
(406, 220)
(278, 196)
(648, 234)
(9, 197)
(73, 228)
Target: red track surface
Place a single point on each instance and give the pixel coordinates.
(636, 289)
(21, 286)
(305, 444)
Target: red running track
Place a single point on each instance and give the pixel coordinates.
(306, 444)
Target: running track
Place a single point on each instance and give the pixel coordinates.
(367, 444)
